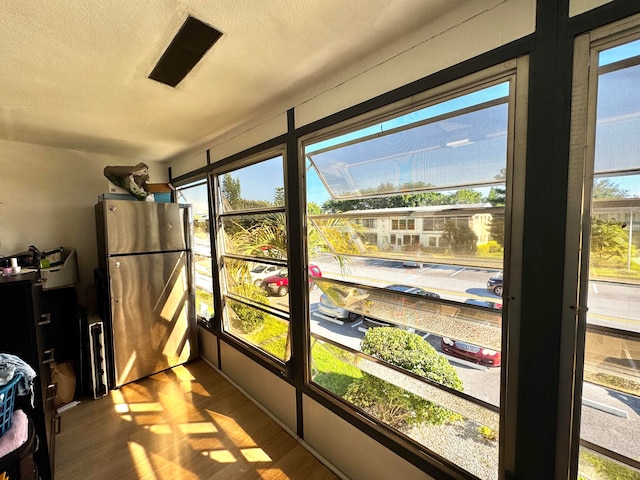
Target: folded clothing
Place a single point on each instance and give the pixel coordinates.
(11, 365)
(17, 434)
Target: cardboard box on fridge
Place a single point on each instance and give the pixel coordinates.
(161, 191)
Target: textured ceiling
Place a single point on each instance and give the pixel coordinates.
(73, 74)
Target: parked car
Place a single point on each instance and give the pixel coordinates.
(412, 264)
(494, 284)
(279, 284)
(473, 353)
(483, 303)
(262, 271)
(374, 322)
(329, 309)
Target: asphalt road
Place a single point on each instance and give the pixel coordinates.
(614, 305)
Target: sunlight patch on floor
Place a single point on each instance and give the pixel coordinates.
(268, 473)
(159, 429)
(145, 407)
(255, 455)
(197, 427)
(220, 456)
(232, 429)
(141, 461)
(183, 374)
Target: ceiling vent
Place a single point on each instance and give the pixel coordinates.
(186, 49)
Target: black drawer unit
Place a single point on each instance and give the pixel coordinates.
(27, 331)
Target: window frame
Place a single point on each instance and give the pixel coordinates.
(586, 72)
(193, 182)
(516, 71)
(221, 328)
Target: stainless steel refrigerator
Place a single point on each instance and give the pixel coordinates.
(145, 259)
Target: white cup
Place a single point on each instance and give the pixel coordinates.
(14, 262)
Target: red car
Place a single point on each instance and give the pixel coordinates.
(473, 353)
(279, 284)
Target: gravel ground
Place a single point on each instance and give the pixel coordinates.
(464, 446)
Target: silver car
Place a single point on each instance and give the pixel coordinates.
(329, 309)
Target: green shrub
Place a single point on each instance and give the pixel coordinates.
(489, 249)
(247, 319)
(394, 405)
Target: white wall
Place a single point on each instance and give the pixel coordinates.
(46, 199)
(460, 34)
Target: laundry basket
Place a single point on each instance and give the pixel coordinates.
(7, 398)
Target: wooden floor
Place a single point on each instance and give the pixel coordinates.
(182, 424)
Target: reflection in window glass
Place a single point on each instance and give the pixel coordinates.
(610, 427)
(408, 230)
(253, 256)
(196, 194)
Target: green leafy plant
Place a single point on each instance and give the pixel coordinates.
(394, 405)
(247, 319)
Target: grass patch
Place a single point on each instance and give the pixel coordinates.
(608, 469)
(271, 338)
(331, 369)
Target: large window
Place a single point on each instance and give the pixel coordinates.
(252, 242)
(402, 332)
(196, 194)
(610, 421)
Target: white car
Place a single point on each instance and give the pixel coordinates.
(262, 271)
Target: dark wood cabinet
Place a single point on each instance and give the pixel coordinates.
(26, 331)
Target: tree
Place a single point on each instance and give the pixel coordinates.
(465, 196)
(278, 196)
(460, 237)
(390, 403)
(608, 239)
(497, 196)
(496, 229)
(605, 188)
(313, 208)
(231, 190)
(413, 199)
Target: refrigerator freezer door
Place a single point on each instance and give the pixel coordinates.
(150, 305)
(136, 227)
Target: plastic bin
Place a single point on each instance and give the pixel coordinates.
(7, 400)
(63, 275)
